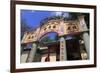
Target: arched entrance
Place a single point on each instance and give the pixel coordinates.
(73, 47)
(52, 47)
(64, 48)
(49, 46)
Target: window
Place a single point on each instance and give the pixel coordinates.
(74, 27)
(32, 37)
(54, 26)
(69, 28)
(49, 27)
(29, 37)
(45, 28)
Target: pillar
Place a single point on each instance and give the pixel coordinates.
(85, 35)
(86, 43)
(63, 53)
(32, 53)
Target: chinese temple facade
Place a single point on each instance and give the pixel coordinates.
(72, 41)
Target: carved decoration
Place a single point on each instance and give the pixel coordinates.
(53, 26)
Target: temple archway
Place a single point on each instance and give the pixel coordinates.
(48, 44)
(62, 28)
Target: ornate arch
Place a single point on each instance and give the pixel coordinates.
(47, 33)
(60, 26)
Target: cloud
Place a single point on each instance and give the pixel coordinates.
(32, 11)
(58, 13)
(66, 14)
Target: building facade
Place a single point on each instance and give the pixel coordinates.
(72, 41)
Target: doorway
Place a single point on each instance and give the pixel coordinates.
(73, 49)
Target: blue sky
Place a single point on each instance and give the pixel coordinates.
(33, 17)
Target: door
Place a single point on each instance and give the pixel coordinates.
(73, 49)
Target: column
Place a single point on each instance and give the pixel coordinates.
(86, 42)
(32, 53)
(63, 54)
(85, 35)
